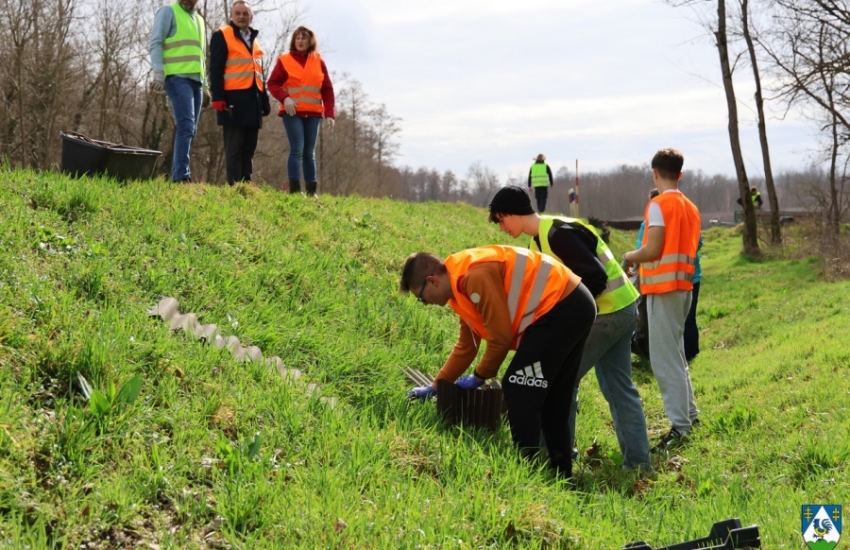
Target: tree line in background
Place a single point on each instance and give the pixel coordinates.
(83, 66)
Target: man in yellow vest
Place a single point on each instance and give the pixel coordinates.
(178, 53)
(578, 246)
(540, 178)
(238, 90)
(667, 258)
(515, 299)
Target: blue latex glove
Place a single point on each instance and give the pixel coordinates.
(422, 393)
(469, 382)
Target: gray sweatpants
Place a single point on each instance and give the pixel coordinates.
(666, 314)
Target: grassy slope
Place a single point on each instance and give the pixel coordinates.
(315, 283)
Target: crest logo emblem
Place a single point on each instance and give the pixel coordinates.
(821, 525)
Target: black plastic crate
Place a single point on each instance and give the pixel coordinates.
(83, 156)
(724, 535)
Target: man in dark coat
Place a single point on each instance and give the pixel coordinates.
(238, 89)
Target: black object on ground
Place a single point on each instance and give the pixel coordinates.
(724, 535)
(83, 156)
(479, 408)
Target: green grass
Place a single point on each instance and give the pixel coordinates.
(219, 454)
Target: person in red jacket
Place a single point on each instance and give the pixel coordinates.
(300, 81)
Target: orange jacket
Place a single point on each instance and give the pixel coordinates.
(674, 269)
(526, 285)
(303, 84)
(242, 68)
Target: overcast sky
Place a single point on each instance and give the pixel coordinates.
(605, 82)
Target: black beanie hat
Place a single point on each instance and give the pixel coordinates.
(510, 200)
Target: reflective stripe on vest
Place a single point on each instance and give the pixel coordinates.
(674, 269)
(619, 291)
(242, 69)
(533, 285)
(539, 175)
(304, 84)
(183, 53)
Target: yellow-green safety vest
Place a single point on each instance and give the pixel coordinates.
(183, 53)
(619, 291)
(539, 176)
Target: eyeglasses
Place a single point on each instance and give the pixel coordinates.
(421, 290)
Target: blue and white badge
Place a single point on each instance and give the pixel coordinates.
(821, 525)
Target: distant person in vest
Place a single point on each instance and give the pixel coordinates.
(755, 198)
(300, 81)
(667, 258)
(515, 299)
(540, 177)
(238, 92)
(178, 53)
(578, 246)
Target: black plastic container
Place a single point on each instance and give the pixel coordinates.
(724, 535)
(83, 156)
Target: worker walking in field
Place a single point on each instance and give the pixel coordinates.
(578, 246)
(515, 299)
(667, 257)
(540, 178)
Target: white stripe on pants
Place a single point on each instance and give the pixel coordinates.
(666, 314)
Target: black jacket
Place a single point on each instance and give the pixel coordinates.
(575, 246)
(247, 107)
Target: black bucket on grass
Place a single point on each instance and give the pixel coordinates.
(83, 156)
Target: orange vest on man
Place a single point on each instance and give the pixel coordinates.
(242, 69)
(304, 84)
(674, 269)
(534, 283)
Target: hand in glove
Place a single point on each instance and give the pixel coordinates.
(267, 108)
(469, 382)
(205, 102)
(289, 106)
(330, 122)
(158, 83)
(422, 393)
(220, 106)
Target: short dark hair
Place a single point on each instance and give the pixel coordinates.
(314, 44)
(669, 163)
(417, 267)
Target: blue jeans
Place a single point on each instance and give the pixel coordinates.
(302, 133)
(608, 347)
(185, 96)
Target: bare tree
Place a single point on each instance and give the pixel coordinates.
(775, 230)
(751, 244)
(809, 51)
(35, 72)
(482, 183)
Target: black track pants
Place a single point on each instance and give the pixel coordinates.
(240, 143)
(539, 381)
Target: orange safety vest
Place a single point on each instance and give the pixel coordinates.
(534, 283)
(674, 269)
(304, 84)
(241, 70)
